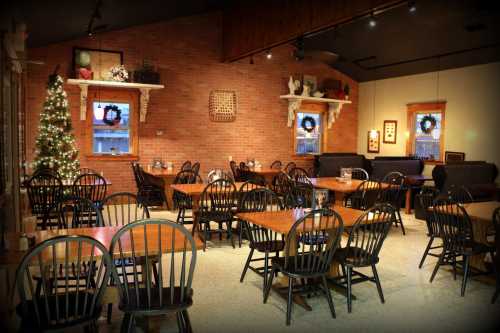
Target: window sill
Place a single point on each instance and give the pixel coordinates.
(434, 162)
(112, 158)
(303, 156)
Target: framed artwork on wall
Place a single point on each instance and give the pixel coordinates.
(94, 64)
(373, 142)
(390, 131)
(453, 156)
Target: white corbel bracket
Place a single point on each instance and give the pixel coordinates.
(142, 87)
(295, 102)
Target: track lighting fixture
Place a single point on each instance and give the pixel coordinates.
(412, 6)
(269, 54)
(251, 60)
(373, 21)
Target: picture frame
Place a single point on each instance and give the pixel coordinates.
(94, 64)
(320, 198)
(454, 156)
(390, 131)
(373, 144)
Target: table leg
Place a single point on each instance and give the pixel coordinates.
(169, 192)
(196, 209)
(408, 201)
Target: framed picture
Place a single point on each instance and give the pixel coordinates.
(311, 81)
(374, 142)
(453, 156)
(390, 131)
(94, 64)
(320, 199)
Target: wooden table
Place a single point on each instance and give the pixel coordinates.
(195, 191)
(282, 221)
(411, 180)
(168, 176)
(481, 214)
(267, 173)
(340, 188)
(12, 257)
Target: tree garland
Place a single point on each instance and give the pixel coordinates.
(308, 124)
(429, 119)
(118, 115)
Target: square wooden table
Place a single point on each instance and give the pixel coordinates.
(195, 191)
(282, 222)
(340, 188)
(11, 258)
(168, 176)
(267, 173)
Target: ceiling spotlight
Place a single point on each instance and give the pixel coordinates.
(412, 7)
(372, 22)
(269, 54)
(251, 60)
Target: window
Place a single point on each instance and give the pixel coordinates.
(308, 137)
(118, 139)
(426, 129)
(108, 139)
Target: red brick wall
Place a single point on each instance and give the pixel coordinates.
(188, 52)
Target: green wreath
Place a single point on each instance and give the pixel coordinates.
(427, 124)
(118, 115)
(308, 124)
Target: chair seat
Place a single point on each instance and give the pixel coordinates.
(268, 246)
(29, 317)
(170, 301)
(216, 217)
(349, 255)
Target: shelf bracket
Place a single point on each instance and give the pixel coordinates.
(144, 103)
(84, 88)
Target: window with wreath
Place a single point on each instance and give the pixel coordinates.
(308, 133)
(426, 121)
(113, 124)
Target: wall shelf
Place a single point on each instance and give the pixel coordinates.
(142, 87)
(295, 101)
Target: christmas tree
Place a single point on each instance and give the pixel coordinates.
(55, 142)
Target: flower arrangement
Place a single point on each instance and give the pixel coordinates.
(118, 73)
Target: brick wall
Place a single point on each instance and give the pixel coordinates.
(187, 52)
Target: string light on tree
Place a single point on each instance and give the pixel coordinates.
(55, 144)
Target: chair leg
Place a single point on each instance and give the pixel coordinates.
(205, 236)
(110, 311)
(127, 323)
(400, 220)
(240, 232)
(328, 295)
(269, 284)
(247, 264)
(187, 321)
(230, 233)
(438, 263)
(289, 302)
(349, 289)
(466, 275)
(428, 247)
(454, 265)
(377, 282)
(180, 322)
(266, 268)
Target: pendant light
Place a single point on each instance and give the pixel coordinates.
(373, 131)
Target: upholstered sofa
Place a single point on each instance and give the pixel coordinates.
(477, 177)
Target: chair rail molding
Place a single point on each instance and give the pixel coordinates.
(295, 102)
(143, 88)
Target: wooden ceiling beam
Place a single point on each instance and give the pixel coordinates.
(250, 27)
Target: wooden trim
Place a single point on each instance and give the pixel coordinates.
(117, 96)
(426, 107)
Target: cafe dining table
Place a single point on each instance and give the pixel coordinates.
(341, 188)
(267, 173)
(282, 222)
(481, 216)
(12, 257)
(410, 181)
(168, 176)
(195, 191)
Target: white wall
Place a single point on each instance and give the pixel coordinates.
(472, 122)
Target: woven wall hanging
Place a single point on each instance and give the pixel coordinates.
(222, 105)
